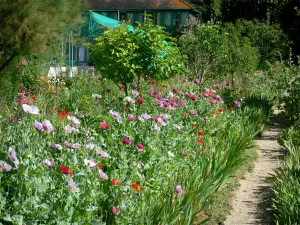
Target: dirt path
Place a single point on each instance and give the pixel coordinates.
(253, 197)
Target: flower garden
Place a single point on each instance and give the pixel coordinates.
(153, 139)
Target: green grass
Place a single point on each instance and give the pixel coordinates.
(219, 206)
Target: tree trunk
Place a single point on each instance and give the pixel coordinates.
(7, 62)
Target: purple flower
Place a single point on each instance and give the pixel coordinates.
(55, 146)
(116, 116)
(96, 96)
(4, 166)
(102, 175)
(68, 129)
(175, 90)
(197, 81)
(179, 190)
(13, 156)
(76, 145)
(217, 86)
(73, 187)
(165, 116)
(38, 126)
(48, 163)
(73, 120)
(31, 109)
(131, 117)
(237, 103)
(144, 117)
(47, 126)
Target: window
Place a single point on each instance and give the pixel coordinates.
(183, 17)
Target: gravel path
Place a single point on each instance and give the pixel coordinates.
(253, 197)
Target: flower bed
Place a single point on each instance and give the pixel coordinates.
(154, 157)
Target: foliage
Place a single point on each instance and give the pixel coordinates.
(33, 26)
(206, 48)
(270, 40)
(291, 134)
(123, 55)
(286, 203)
(241, 58)
(291, 99)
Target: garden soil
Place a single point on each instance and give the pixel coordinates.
(252, 201)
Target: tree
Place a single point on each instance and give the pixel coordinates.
(35, 27)
(123, 55)
(206, 48)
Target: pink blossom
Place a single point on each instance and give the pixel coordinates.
(96, 96)
(140, 165)
(195, 113)
(103, 154)
(131, 117)
(47, 126)
(90, 146)
(116, 116)
(135, 93)
(5, 166)
(38, 126)
(177, 127)
(140, 100)
(129, 100)
(181, 103)
(203, 150)
(102, 175)
(115, 211)
(68, 129)
(126, 141)
(90, 163)
(140, 147)
(205, 118)
(55, 146)
(73, 120)
(48, 163)
(73, 187)
(13, 156)
(197, 81)
(184, 154)
(179, 190)
(144, 117)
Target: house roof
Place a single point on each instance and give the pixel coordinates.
(139, 4)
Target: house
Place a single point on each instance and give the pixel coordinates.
(168, 13)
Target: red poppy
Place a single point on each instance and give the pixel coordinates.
(194, 126)
(213, 113)
(220, 110)
(115, 182)
(200, 133)
(104, 125)
(63, 114)
(140, 146)
(33, 98)
(164, 85)
(136, 187)
(65, 170)
(100, 166)
(126, 107)
(193, 97)
(200, 142)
